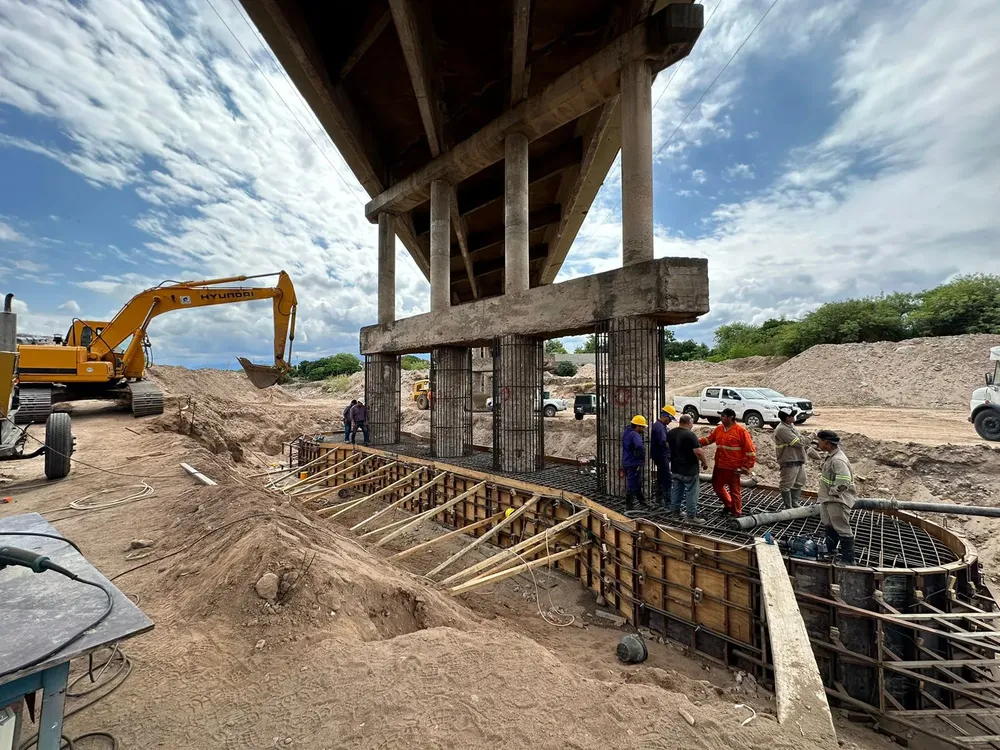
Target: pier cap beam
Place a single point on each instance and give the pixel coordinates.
(670, 290)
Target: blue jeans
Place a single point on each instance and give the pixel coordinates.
(684, 490)
(363, 426)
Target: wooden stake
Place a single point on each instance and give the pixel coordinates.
(427, 514)
(353, 466)
(476, 583)
(505, 554)
(392, 525)
(362, 480)
(488, 535)
(198, 475)
(318, 476)
(400, 501)
(300, 468)
(453, 533)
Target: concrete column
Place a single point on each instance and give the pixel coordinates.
(515, 214)
(518, 424)
(629, 382)
(382, 398)
(637, 163)
(440, 245)
(386, 269)
(451, 402)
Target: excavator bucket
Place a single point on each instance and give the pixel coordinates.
(262, 376)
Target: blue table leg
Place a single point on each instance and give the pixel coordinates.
(54, 682)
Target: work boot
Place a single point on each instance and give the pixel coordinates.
(832, 539)
(695, 520)
(786, 498)
(796, 497)
(641, 497)
(629, 501)
(847, 550)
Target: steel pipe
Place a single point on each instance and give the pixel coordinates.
(746, 523)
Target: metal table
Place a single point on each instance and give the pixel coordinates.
(38, 611)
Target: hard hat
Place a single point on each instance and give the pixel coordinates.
(640, 420)
(670, 410)
(785, 412)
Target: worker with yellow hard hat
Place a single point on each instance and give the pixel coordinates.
(633, 461)
(659, 453)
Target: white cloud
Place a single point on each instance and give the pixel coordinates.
(739, 171)
(9, 234)
(70, 306)
(753, 135)
(28, 265)
(699, 176)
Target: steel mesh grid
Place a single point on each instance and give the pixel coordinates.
(382, 378)
(630, 382)
(451, 401)
(518, 424)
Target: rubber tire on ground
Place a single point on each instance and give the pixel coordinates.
(692, 412)
(550, 411)
(712, 420)
(343, 494)
(988, 424)
(579, 417)
(59, 444)
(422, 403)
(753, 420)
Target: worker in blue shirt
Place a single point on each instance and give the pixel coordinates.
(659, 454)
(633, 459)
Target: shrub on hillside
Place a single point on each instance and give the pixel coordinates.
(327, 367)
(566, 369)
(412, 362)
(337, 384)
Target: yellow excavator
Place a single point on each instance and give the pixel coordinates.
(107, 360)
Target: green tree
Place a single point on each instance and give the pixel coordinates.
(682, 351)
(969, 304)
(326, 367)
(412, 362)
(555, 346)
(589, 345)
(566, 369)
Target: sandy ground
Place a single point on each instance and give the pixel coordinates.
(355, 652)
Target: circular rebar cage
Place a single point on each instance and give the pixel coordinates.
(382, 398)
(518, 426)
(451, 401)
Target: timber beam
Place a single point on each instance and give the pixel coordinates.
(670, 290)
(661, 40)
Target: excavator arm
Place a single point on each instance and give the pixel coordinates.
(134, 318)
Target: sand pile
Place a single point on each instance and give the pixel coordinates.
(937, 372)
(689, 378)
(226, 385)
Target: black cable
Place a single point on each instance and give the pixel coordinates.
(70, 542)
(79, 634)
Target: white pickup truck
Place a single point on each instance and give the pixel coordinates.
(549, 405)
(984, 407)
(752, 407)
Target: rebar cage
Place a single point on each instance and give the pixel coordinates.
(630, 381)
(382, 378)
(518, 417)
(451, 401)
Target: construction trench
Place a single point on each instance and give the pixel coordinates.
(486, 178)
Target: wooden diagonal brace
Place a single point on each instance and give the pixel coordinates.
(511, 572)
(400, 501)
(451, 534)
(426, 515)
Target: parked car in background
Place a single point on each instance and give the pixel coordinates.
(803, 406)
(583, 404)
(752, 407)
(549, 405)
(984, 407)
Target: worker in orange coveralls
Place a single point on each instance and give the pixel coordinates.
(735, 455)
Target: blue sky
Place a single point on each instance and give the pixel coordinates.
(850, 148)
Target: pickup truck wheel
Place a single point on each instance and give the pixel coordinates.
(801, 420)
(753, 420)
(988, 424)
(579, 417)
(422, 402)
(712, 420)
(692, 412)
(550, 411)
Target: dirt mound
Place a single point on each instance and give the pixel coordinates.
(228, 385)
(940, 372)
(689, 378)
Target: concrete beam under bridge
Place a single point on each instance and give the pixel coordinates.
(670, 290)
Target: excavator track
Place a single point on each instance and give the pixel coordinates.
(34, 405)
(147, 399)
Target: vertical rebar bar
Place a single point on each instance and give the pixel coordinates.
(630, 382)
(451, 401)
(382, 398)
(518, 445)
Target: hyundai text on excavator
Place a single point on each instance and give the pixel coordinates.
(107, 360)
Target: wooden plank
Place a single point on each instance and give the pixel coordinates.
(396, 503)
(413, 523)
(313, 495)
(486, 537)
(504, 554)
(360, 480)
(323, 476)
(509, 573)
(198, 475)
(801, 697)
(449, 535)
